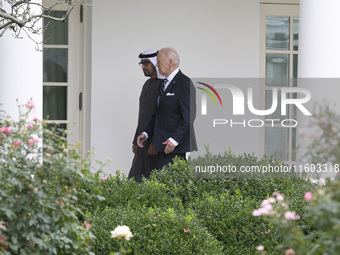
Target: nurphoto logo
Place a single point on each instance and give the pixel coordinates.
(242, 101)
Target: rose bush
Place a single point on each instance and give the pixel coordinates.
(320, 232)
(39, 174)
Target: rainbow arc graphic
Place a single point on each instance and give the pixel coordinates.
(209, 93)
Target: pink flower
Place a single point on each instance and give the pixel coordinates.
(264, 211)
(256, 213)
(324, 120)
(30, 105)
(104, 179)
(333, 142)
(35, 140)
(290, 252)
(302, 132)
(271, 200)
(279, 197)
(308, 196)
(30, 126)
(6, 129)
(86, 224)
(35, 119)
(268, 207)
(291, 216)
(264, 202)
(17, 144)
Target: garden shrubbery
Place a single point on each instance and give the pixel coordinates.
(158, 211)
(50, 203)
(38, 201)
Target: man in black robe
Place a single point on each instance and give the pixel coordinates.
(146, 158)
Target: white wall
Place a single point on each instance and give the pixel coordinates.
(20, 74)
(218, 38)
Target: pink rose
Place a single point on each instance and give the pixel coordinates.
(86, 224)
(35, 140)
(257, 213)
(308, 196)
(302, 132)
(271, 200)
(264, 211)
(290, 252)
(7, 129)
(17, 144)
(104, 179)
(268, 207)
(291, 216)
(324, 120)
(30, 126)
(30, 105)
(264, 202)
(279, 197)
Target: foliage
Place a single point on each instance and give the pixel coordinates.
(321, 229)
(324, 143)
(156, 231)
(38, 198)
(46, 186)
(3, 245)
(174, 213)
(320, 232)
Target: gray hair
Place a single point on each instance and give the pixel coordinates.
(171, 53)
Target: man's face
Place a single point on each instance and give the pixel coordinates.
(163, 64)
(147, 67)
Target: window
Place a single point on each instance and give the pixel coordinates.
(55, 69)
(62, 63)
(279, 59)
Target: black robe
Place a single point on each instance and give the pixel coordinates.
(142, 163)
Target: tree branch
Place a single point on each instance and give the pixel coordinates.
(55, 18)
(7, 16)
(19, 16)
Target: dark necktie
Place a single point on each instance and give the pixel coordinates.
(162, 88)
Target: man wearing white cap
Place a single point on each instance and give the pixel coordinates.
(146, 158)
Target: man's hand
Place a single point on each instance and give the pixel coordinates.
(169, 147)
(140, 140)
(134, 148)
(152, 150)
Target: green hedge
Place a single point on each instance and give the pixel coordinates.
(156, 231)
(217, 211)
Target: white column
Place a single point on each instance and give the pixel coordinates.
(20, 72)
(319, 63)
(20, 75)
(319, 39)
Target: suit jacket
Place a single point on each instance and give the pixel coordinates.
(175, 115)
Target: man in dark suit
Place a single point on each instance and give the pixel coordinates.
(172, 125)
(146, 158)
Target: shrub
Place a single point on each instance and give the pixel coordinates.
(320, 231)
(221, 210)
(230, 220)
(155, 230)
(38, 202)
